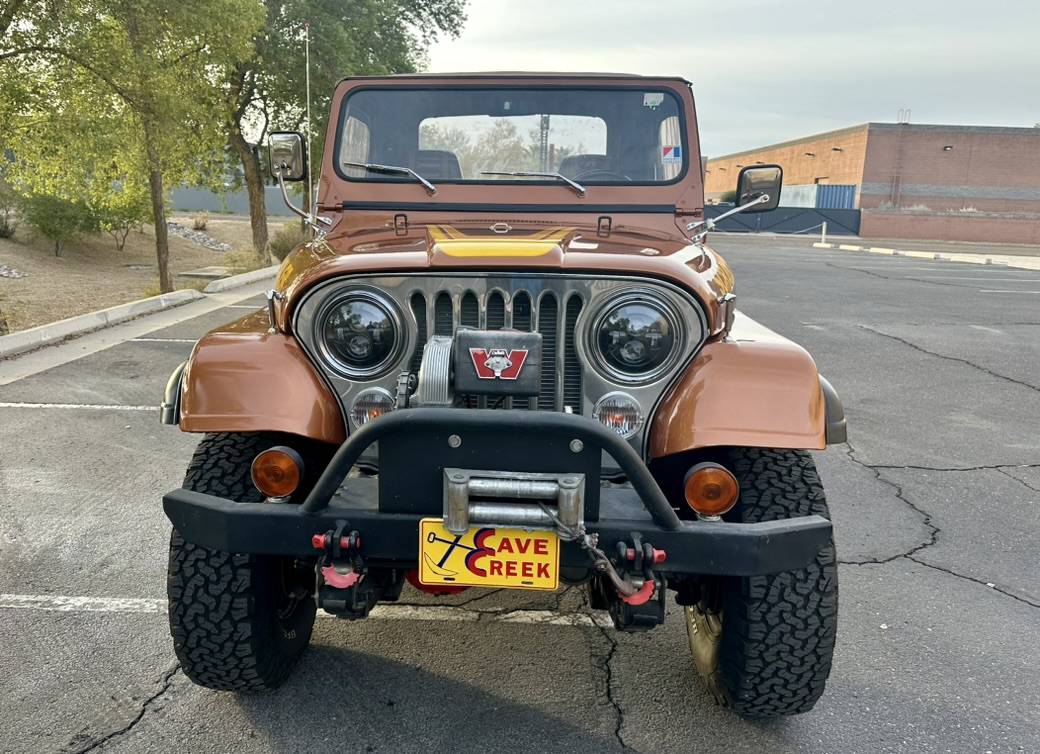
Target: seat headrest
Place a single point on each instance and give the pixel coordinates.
(437, 164)
(576, 164)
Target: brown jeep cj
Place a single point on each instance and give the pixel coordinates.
(507, 359)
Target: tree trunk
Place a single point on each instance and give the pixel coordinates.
(59, 247)
(255, 188)
(155, 185)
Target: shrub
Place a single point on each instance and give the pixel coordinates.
(56, 219)
(287, 239)
(124, 213)
(200, 220)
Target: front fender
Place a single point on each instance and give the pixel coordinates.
(754, 388)
(243, 378)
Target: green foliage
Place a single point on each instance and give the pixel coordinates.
(8, 201)
(347, 38)
(287, 239)
(57, 219)
(100, 95)
(121, 212)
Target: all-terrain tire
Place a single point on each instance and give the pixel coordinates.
(239, 622)
(764, 644)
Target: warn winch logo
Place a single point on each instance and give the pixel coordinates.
(498, 363)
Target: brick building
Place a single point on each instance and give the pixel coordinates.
(968, 183)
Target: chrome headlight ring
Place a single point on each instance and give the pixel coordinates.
(395, 330)
(658, 304)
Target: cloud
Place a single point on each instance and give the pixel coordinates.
(764, 71)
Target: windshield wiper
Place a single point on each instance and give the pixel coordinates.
(578, 188)
(377, 168)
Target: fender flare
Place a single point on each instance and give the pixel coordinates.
(243, 378)
(170, 408)
(753, 388)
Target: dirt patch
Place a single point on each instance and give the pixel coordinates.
(94, 275)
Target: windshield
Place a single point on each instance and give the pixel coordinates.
(593, 136)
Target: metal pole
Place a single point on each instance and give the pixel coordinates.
(307, 52)
(823, 232)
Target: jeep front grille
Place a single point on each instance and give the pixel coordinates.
(529, 311)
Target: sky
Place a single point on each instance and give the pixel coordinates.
(765, 71)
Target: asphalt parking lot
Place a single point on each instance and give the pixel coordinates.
(936, 503)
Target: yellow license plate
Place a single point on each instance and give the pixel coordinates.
(488, 556)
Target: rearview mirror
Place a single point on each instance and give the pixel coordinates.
(288, 155)
(756, 181)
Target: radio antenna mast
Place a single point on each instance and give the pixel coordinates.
(307, 54)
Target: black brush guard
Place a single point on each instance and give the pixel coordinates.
(416, 445)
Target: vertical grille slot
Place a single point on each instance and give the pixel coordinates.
(548, 326)
(522, 311)
(442, 316)
(469, 312)
(418, 304)
(571, 366)
(496, 311)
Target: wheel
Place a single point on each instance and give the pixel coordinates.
(764, 644)
(239, 622)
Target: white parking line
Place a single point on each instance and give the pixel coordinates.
(145, 606)
(88, 406)
(164, 340)
(986, 290)
(244, 306)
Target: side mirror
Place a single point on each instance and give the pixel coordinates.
(288, 155)
(756, 181)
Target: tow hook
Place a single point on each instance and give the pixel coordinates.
(643, 556)
(341, 565)
(627, 586)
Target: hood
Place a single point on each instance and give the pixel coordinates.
(503, 246)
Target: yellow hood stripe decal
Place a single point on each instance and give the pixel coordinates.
(450, 242)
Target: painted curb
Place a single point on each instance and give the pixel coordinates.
(245, 278)
(1021, 263)
(35, 337)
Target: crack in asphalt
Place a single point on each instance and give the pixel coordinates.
(167, 683)
(898, 278)
(926, 517)
(608, 670)
(1004, 470)
(952, 358)
(987, 584)
(927, 520)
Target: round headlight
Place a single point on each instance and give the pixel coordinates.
(359, 333)
(636, 338)
(619, 412)
(371, 404)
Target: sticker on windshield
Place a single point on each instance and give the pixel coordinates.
(671, 155)
(652, 99)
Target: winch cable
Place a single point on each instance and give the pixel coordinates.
(589, 543)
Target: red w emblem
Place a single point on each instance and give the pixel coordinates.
(497, 363)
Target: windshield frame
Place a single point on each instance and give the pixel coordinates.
(591, 85)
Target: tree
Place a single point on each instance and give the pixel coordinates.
(347, 37)
(148, 69)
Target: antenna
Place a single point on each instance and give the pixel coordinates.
(307, 53)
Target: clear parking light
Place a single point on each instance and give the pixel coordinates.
(371, 404)
(619, 412)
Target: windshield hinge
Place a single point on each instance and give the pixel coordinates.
(401, 224)
(603, 226)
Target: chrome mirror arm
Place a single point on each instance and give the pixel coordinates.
(319, 224)
(709, 223)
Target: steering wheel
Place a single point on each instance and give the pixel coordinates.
(600, 173)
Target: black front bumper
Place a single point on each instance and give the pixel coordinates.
(415, 445)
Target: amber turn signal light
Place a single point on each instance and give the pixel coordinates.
(277, 471)
(710, 489)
